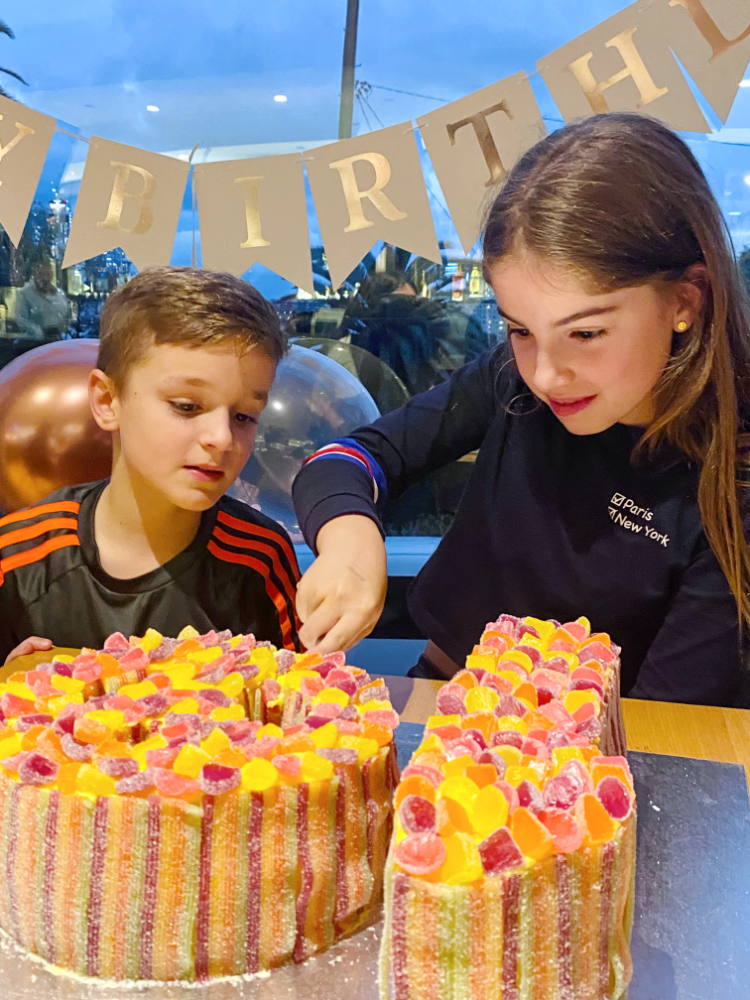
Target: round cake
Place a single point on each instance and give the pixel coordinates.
(192, 807)
(512, 864)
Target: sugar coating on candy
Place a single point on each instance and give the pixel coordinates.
(420, 854)
(118, 767)
(36, 769)
(614, 795)
(499, 852)
(417, 814)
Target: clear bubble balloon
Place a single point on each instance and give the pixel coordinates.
(313, 401)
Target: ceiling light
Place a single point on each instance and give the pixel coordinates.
(280, 98)
(152, 107)
(744, 83)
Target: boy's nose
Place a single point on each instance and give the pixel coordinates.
(217, 433)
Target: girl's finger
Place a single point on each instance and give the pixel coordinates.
(320, 622)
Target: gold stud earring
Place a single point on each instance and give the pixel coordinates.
(682, 326)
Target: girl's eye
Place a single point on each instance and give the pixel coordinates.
(518, 331)
(183, 407)
(588, 334)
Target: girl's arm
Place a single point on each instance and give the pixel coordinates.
(340, 491)
(696, 656)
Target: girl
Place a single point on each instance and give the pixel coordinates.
(606, 482)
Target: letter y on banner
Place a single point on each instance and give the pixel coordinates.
(621, 65)
(129, 198)
(25, 136)
(255, 210)
(475, 141)
(367, 189)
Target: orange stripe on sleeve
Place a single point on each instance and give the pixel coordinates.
(273, 592)
(60, 506)
(267, 550)
(35, 554)
(35, 530)
(254, 529)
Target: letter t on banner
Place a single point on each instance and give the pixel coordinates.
(475, 141)
(25, 136)
(367, 189)
(129, 198)
(255, 211)
(620, 65)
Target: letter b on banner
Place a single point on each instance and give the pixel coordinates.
(120, 192)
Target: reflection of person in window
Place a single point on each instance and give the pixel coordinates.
(42, 310)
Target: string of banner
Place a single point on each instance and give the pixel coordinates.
(371, 187)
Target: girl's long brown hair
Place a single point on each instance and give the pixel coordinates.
(620, 200)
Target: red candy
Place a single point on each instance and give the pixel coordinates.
(499, 852)
(615, 797)
(36, 769)
(562, 791)
(215, 779)
(417, 815)
(420, 853)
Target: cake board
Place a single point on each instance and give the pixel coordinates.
(692, 917)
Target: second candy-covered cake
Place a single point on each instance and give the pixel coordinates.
(193, 807)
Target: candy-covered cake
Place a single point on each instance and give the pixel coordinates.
(192, 807)
(512, 864)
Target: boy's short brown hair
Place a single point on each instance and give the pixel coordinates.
(183, 305)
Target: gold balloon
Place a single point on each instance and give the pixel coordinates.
(48, 436)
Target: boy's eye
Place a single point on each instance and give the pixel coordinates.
(588, 334)
(245, 418)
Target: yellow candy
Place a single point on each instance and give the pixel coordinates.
(235, 641)
(63, 658)
(430, 744)
(562, 755)
(188, 706)
(138, 752)
(481, 661)
(205, 655)
(511, 755)
(376, 705)
(231, 713)
(481, 699)
(488, 811)
(511, 675)
(325, 737)
(515, 656)
(460, 788)
(258, 775)
(365, 747)
(545, 629)
(215, 742)
(189, 633)
(435, 721)
(573, 700)
(189, 761)
(56, 705)
(136, 691)
(231, 685)
(182, 673)
(531, 640)
(23, 691)
(513, 722)
(272, 730)
(262, 656)
(516, 774)
(293, 680)
(586, 624)
(151, 640)
(67, 684)
(316, 768)
(462, 862)
(570, 658)
(452, 768)
(91, 782)
(10, 746)
(334, 696)
(113, 719)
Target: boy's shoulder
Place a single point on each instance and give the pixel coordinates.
(240, 528)
(57, 513)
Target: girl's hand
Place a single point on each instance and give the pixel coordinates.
(341, 596)
(33, 644)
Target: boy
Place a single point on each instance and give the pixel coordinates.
(186, 361)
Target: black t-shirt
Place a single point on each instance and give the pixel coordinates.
(239, 573)
(550, 524)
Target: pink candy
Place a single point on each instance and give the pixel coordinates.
(417, 815)
(420, 853)
(215, 779)
(36, 769)
(499, 852)
(615, 797)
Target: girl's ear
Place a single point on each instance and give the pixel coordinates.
(103, 401)
(691, 295)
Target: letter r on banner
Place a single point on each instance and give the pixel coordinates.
(22, 131)
(478, 122)
(252, 213)
(634, 67)
(708, 28)
(375, 194)
(113, 219)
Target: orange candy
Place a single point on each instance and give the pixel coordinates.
(49, 744)
(231, 758)
(467, 680)
(528, 693)
(308, 661)
(185, 647)
(482, 774)
(599, 771)
(597, 824)
(535, 720)
(415, 784)
(90, 731)
(485, 722)
(295, 744)
(67, 777)
(381, 734)
(110, 666)
(114, 748)
(30, 737)
(533, 838)
(452, 817)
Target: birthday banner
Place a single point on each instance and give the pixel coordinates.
(371, 187)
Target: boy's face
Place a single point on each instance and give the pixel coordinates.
(187, 418)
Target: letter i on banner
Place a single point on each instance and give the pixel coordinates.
(475, 141)
(255, 211)
(620, 65)
(25, 136)
(367, 189)
(711, 38)
(129, 198)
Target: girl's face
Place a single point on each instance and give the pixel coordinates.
(594, 359)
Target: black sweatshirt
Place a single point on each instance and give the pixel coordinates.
(238, 573)
(551, 524)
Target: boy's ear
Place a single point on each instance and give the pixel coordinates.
(103, 401)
